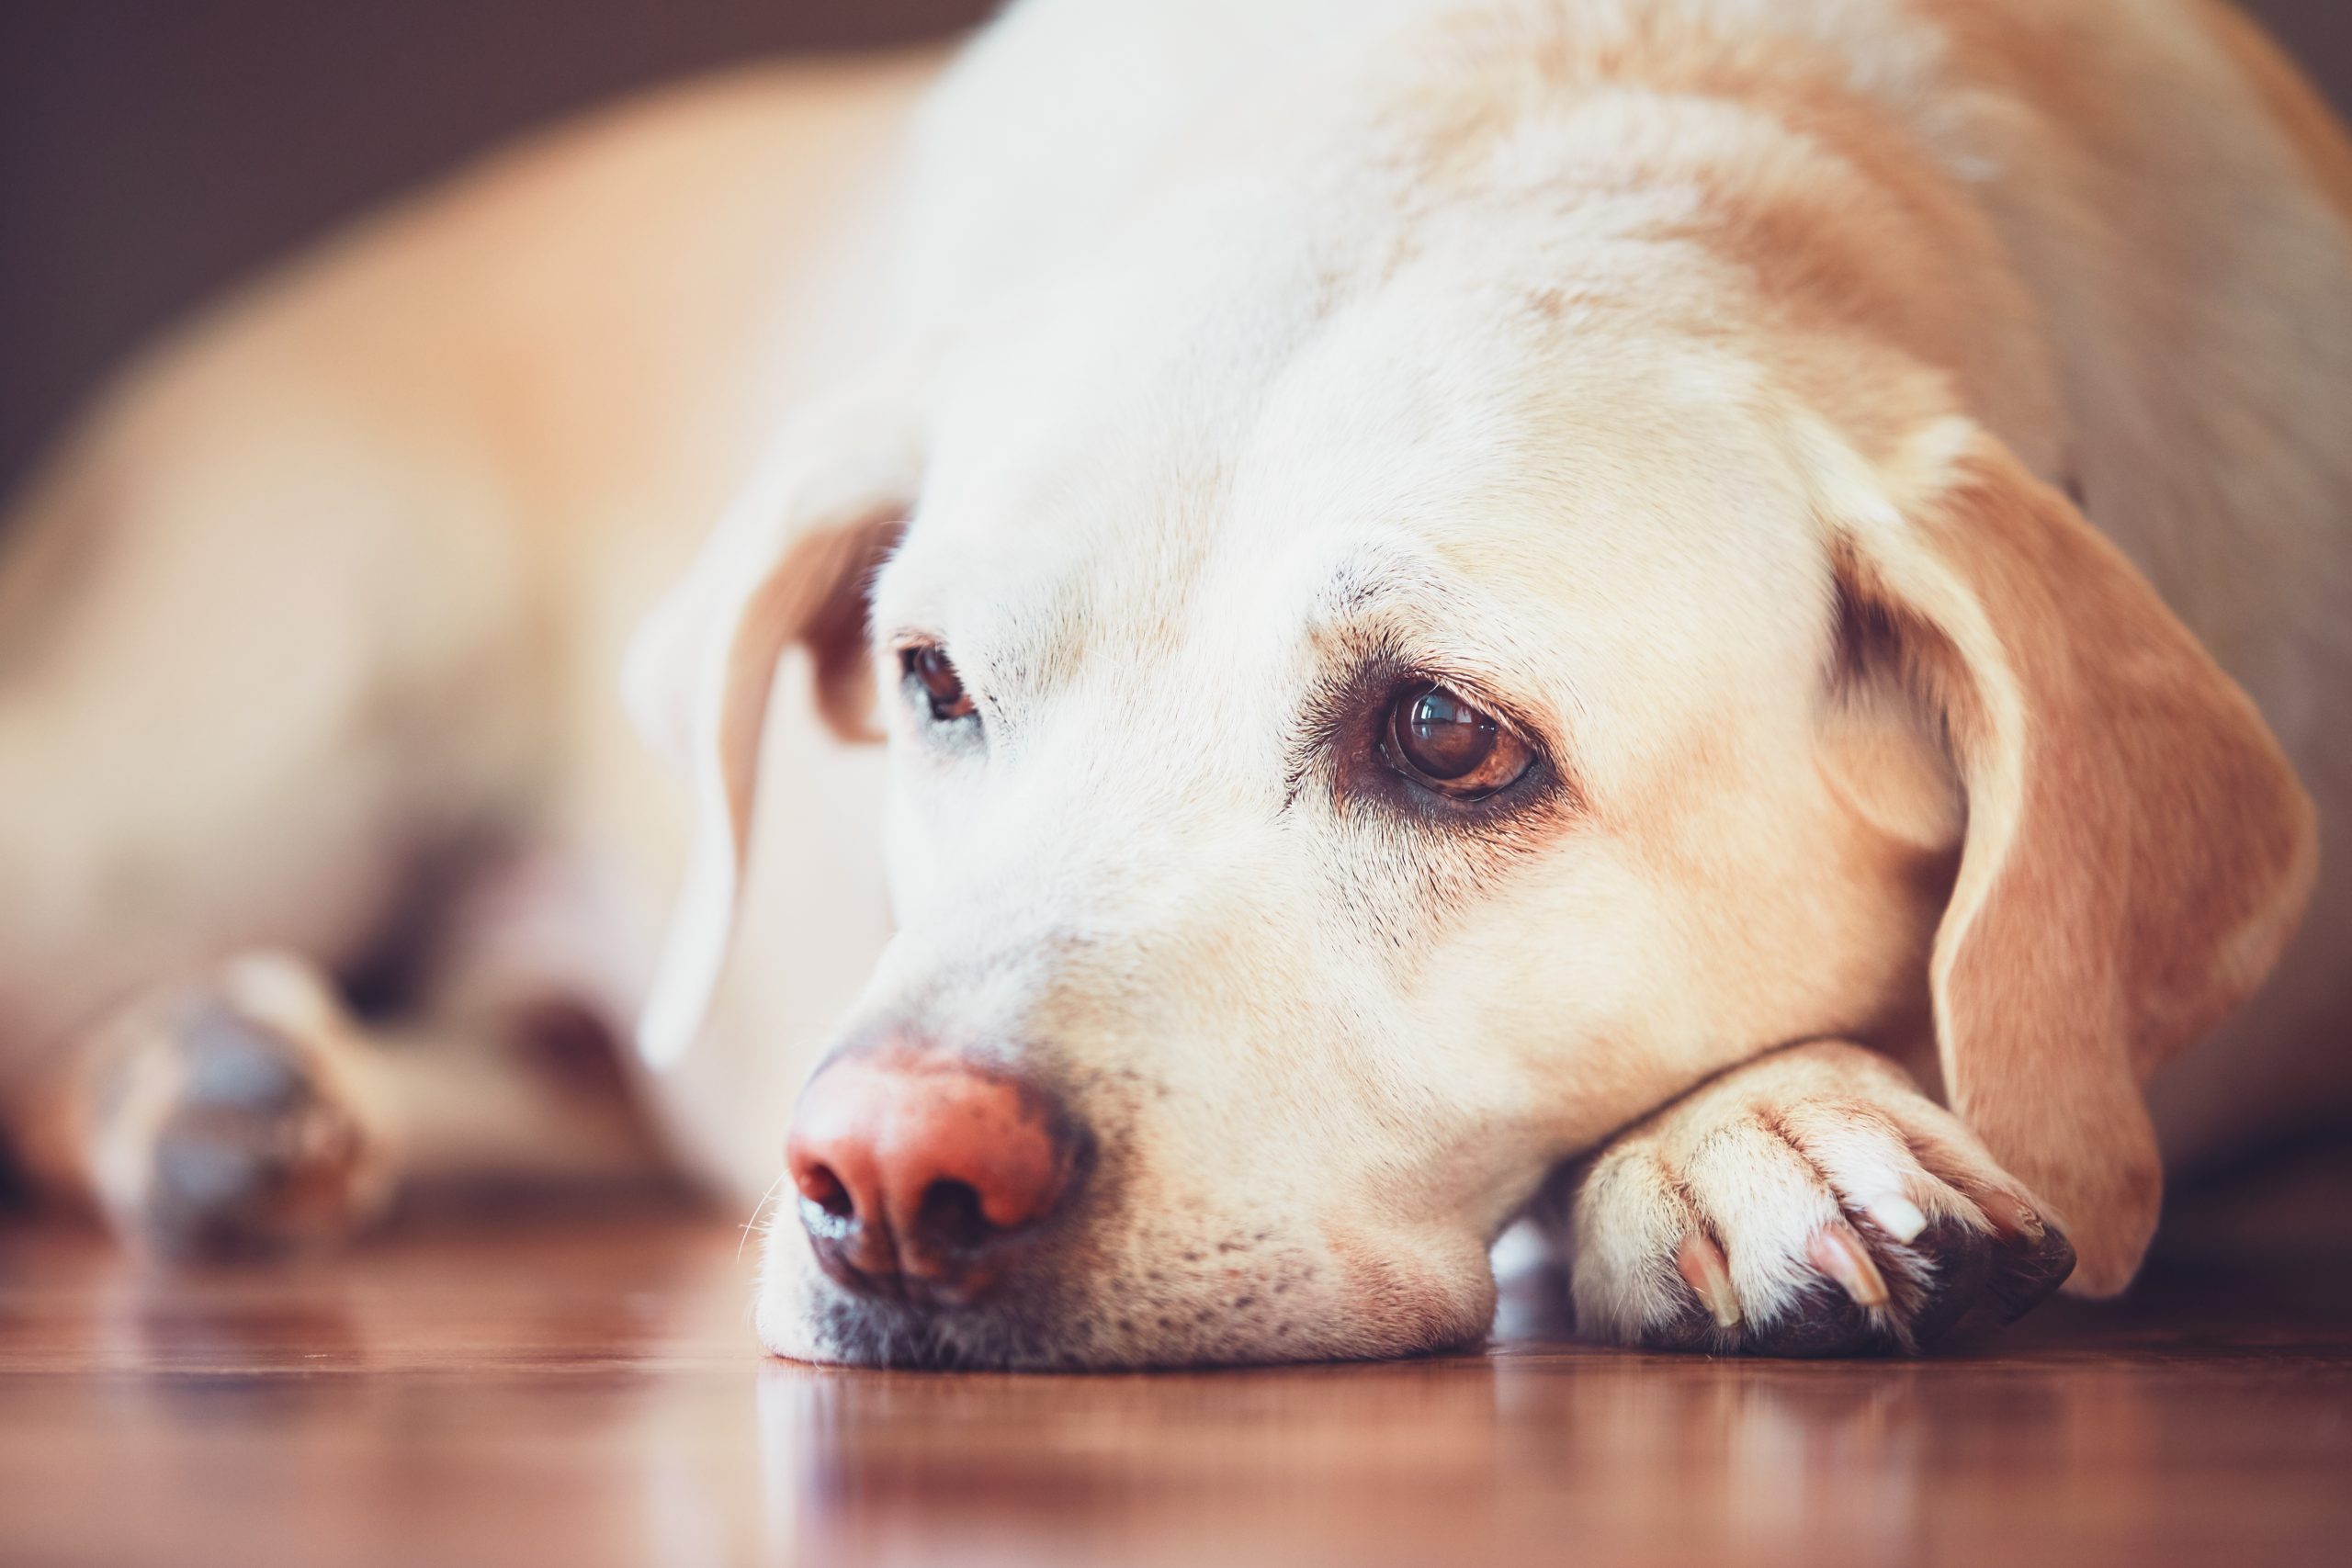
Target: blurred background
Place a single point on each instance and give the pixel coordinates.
(154, 151)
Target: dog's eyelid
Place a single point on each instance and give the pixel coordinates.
(1384, 612)
(902, 640)
(1480, 694)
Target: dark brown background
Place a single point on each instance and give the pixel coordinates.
(152, 149)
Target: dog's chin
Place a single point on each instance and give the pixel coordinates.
(836, 1330)
(804, 1316)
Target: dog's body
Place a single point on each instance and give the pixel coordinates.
(340, 589)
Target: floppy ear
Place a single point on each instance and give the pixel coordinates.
(2137, 848)
(793, 561)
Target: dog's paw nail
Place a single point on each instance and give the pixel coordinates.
(2015, 1218)
(1838, 1252)
(1704, 1270)
(1897, 1215)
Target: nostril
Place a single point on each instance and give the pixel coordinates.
(950, 1219)
(821, 1190)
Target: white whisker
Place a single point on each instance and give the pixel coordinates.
(752, 1224)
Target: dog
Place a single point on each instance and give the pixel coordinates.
(1717, 625)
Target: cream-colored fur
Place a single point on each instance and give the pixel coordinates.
(1702, 382)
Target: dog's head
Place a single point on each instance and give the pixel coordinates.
(1374, 707)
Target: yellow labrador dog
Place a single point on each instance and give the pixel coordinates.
(1698, 619)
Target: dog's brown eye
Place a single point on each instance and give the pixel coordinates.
(931, 670)
(1436, 738)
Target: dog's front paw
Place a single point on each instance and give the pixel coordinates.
(224, 1120)
(1811, 1203)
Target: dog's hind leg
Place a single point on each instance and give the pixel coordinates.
(259, 661)
(249, 1113)
(248, 1109)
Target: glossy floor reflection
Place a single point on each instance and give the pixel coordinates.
(585, 1395)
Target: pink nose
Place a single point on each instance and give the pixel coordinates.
(919, 1175)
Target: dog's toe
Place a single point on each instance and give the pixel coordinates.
(1947, 1280)
(1820, 1322)
(1839, 1216)
(2027, 1270)
(239, 1063)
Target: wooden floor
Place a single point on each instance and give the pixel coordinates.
(581, 1395)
